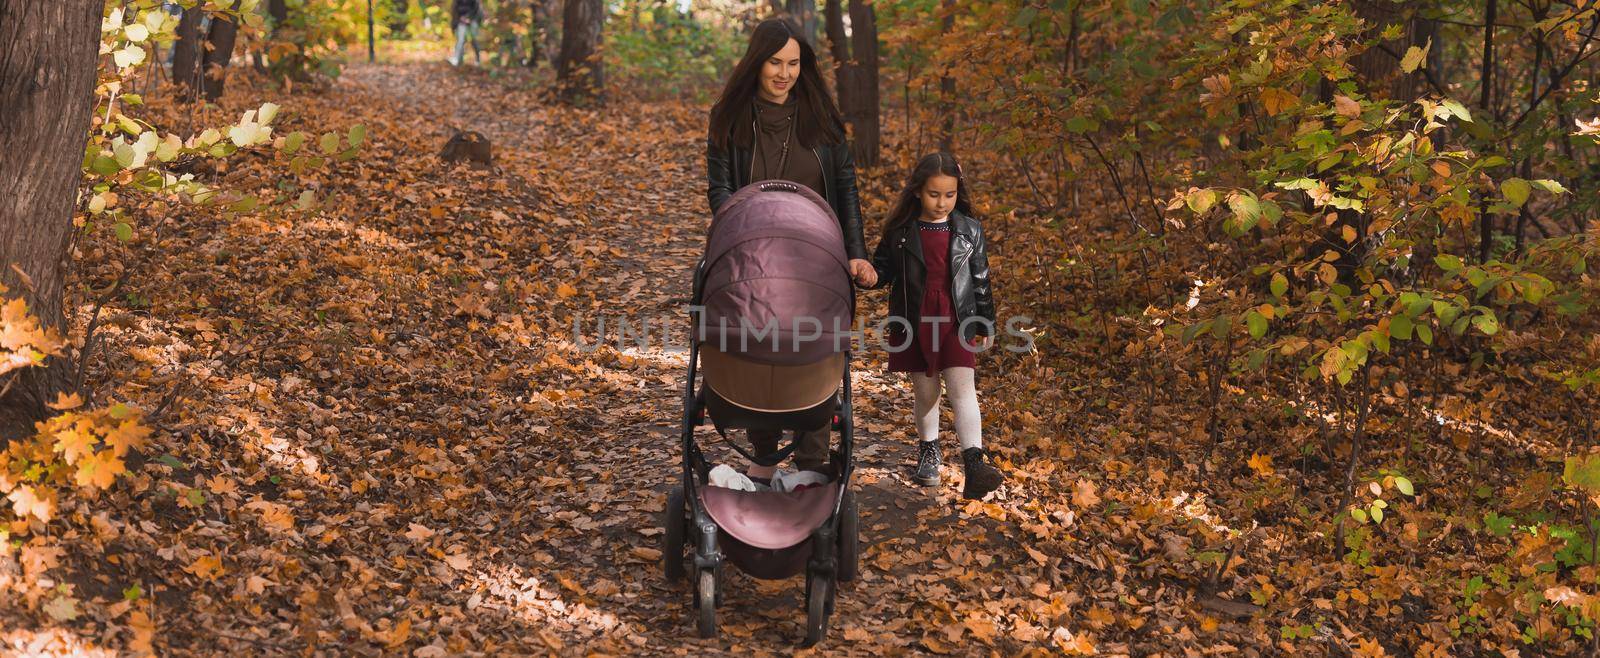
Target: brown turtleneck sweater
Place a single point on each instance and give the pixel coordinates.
(774, 124)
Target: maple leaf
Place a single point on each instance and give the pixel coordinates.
(206, 566)
(62, 608)
(143, 630)
(99, 470)
(1083, 495)
(76, 442)
(125, 436)
(1261, 464)
(66, 401)
(26, 501)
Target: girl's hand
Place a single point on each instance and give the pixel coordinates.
(862, 272)
(986, 342)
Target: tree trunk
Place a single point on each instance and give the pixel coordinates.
(48, 94)
(839, 49)
(399, 19)
(947, 84)
(804, 12)
(1378, 68)
(536, 25)
(187, 49)
(864, 45)
(224, 32)
(550, 13)
(277, 14)
(580, 72)
(1486, 102)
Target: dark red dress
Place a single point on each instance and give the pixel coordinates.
(934, 346)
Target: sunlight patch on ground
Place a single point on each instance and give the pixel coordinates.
(537, 603)
(48, 642)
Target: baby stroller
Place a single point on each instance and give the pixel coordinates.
(774, 256)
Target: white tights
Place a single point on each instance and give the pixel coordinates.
(959, 383)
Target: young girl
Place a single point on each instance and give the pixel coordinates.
(941, 311)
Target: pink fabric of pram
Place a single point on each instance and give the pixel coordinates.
(769, 519)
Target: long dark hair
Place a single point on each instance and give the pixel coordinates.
(817, 120)
(909, 204)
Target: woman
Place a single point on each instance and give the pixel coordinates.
(776, 120)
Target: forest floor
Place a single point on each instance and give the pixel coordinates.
(387, 440)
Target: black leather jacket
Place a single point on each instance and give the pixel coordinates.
(728, 169)
(898, 260)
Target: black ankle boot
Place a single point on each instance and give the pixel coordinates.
(982, 477)
(928, 460)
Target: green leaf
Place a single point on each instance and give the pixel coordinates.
(1201, 201)
(1549, 186)
(132, 593)
(1404, 485)
(171, 461)
(1583, 472)
(1515, 190)
(1497, 525)
(119, 411)
(1425, 333)
(1400, 327)
(1486, 323)
(1257, 324)
(195, 497)
(1359, 514)
(1456, 109)
(1280, 284)
(1377, 513)
(124, 232)
(246, 204)
(293, 142)
(358, 134)
(329, 142)
(1447, 262)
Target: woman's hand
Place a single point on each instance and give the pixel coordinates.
(862, 272)
(985, 342)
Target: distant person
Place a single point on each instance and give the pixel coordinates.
(466, 16)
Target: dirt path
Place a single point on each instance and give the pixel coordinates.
(390, 441)
(633, 178)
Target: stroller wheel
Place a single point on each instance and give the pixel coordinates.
(673, 522)
(705, 602)
(849, 539)
(819, 592)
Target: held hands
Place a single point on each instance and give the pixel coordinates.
(862, 272)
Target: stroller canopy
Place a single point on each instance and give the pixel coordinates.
(777, 301)
(777, 282)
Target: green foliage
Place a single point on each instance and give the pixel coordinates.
(653, 50)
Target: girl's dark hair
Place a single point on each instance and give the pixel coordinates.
(817, 120)
(909, 204)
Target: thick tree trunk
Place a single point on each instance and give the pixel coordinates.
(187, 49)
(864, 46)
(224, 32)
(580, 72)
(46, 94)
(839, 49)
